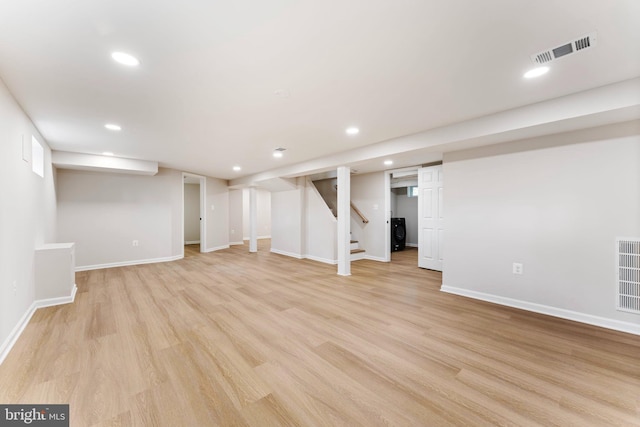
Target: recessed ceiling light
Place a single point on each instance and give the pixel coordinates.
(536, 72)
(125, 59)
(112, 126)
(237, 168)
(107, 153)
(352, 131)
(388, 162)
(278, 152)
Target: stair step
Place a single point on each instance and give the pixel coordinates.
(356, 251)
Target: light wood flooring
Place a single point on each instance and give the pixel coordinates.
(233, 339)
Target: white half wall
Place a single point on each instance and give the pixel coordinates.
(103, 213)
(555, 204)
(27, 216)
(191, 213)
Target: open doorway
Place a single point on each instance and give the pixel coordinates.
(414, 205)
(193, 197)
(402, 211)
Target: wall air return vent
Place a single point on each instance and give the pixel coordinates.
(628, 274)
(581, 43)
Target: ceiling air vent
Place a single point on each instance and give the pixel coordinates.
(585, 42)
(628, 275)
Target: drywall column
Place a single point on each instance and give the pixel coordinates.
(344, 221)
(253, 219)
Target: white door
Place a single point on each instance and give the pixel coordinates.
(430, 218)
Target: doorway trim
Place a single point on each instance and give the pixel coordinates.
(203, 222)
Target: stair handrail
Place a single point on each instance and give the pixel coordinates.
(357, 211)
(362, 217)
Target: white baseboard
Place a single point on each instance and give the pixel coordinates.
(375, 258)
(127, 263)
(259, 237)
(8, 344)
(236, 243)
(217, 248)
(590, 319)
(192, 242)
(49, 302)
(285, 253)
(411, 245)
(11, 340)
(324, 260)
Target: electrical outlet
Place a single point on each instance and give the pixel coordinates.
(15, 288)
(136, 243)
(518, 268)
(233, 231)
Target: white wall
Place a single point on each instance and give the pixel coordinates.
(217, 214)
(263, 198)
(555, 204)
(264, 214)
(407, 208)
(320, 227)
(235, 217)
(27, 213)
(367, 194)
(104, 212)
(287, 221)
(191, 213)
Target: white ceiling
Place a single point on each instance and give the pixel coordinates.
(208, 93)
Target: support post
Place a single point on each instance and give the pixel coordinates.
(344, 221)
(253, 220)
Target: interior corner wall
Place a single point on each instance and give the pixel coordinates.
(555, 204)
(368, 195)
(103, 213)
(235, 217)
(216, 208)
(27, 213)
(191, 213)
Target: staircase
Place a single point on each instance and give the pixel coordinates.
(328, 190)
(356, 252)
